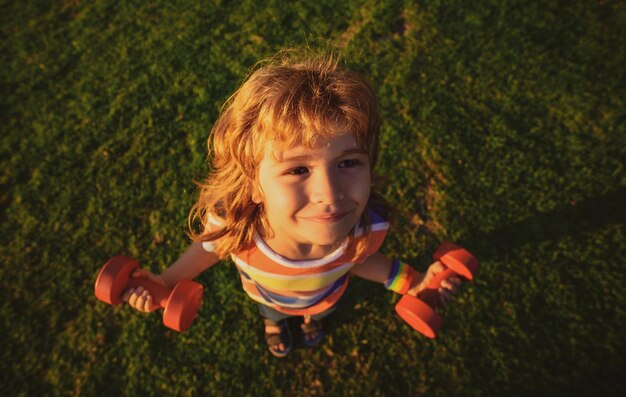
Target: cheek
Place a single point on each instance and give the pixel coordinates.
(284, 197)
(360, 186)
(365, 194)
(367, 189)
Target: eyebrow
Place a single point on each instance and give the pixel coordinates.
(308, 156)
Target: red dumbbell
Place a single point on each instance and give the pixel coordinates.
(181, 303)
(419, 312)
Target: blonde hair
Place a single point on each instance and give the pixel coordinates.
(290, 99)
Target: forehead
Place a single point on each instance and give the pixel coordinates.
(321, 147)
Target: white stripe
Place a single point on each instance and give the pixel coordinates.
(281, 260)
(377, 227)
(208, 246)
(213, 220)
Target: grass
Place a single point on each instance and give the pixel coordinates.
(503, 130)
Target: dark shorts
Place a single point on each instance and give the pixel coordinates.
(275, 315)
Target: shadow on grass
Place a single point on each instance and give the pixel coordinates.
(546, 318)
(575, 219)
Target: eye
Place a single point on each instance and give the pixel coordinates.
(297, 171)
(349, 163)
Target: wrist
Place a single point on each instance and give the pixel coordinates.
(166, 281)
(401, 277)
(415, 287)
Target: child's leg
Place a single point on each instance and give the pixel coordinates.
(272, 314)
(277, 335)
(312, 327)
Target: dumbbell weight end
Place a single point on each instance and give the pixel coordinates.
(458, 259)
(182, 306)
(419, 315)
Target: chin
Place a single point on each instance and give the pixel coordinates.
(329, 237)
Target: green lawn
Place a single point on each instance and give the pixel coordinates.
(503, 130)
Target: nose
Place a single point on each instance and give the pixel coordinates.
(326, 188)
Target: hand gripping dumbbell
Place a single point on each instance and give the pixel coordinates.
(181, 303)
(419, 312)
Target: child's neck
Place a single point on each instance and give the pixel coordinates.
(299, 251)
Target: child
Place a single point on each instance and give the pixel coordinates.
(289, 198)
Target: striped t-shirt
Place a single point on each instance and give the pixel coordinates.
(306, 286)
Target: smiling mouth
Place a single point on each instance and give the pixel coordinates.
(328, 218)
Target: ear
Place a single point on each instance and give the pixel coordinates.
(257, 196)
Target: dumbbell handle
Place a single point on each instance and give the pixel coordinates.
(159, 293)
(430, 295)
(457, 262)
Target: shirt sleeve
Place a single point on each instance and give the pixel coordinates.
(213, 224)
(378, 231)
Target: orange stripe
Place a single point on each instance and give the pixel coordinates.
(375, 240)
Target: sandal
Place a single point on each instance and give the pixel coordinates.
(311, 328)
(283, 337)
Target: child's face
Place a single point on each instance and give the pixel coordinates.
(313, 197)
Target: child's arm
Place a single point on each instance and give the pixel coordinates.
(191, 263)
(377, 268)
